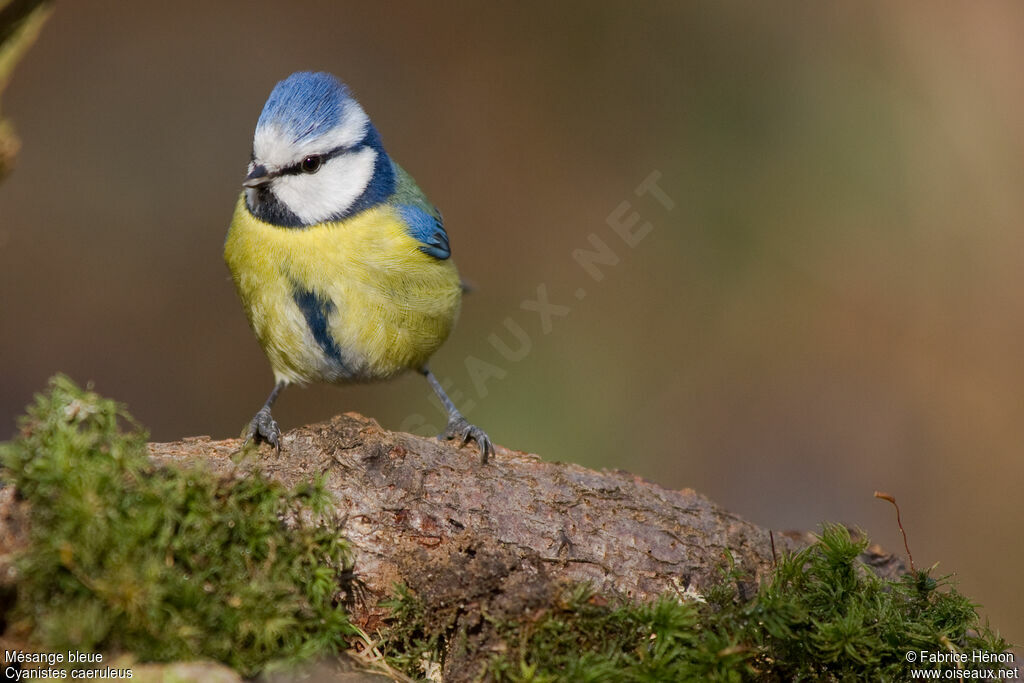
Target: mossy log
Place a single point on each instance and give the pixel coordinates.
(426, 513)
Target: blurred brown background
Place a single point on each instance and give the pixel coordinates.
(831, 307)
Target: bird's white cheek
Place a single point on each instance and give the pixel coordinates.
(315, 197)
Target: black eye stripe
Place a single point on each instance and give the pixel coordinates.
(297, 168)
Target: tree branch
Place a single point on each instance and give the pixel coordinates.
(424, 513)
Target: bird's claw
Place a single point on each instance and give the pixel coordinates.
(459, 428)
(264, 428)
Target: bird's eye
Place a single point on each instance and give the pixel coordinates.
(312, 163)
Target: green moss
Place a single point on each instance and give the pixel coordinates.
(821, 616)
(165, 563)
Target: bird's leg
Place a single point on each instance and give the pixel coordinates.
(458, 427)
(263, 427)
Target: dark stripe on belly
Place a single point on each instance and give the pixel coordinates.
(316, 310)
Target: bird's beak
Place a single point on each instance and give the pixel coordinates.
(257, 176)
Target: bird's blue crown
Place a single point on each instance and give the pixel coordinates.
(306, 105)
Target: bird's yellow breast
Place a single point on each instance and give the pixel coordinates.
(342, 301)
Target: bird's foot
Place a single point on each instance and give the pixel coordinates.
(459, 428)
(264, 428)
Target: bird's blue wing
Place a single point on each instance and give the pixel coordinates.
(428, 228)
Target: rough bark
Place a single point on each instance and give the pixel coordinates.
(428, 514)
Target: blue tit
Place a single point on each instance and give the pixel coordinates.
(342, 264)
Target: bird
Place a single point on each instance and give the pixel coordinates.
(342, 264)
